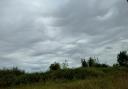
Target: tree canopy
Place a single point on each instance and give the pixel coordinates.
(122, 58)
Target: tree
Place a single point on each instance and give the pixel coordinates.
(84, 63)
(122, 58)
(91, 62)
(55, 66)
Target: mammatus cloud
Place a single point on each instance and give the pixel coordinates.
(34, 34)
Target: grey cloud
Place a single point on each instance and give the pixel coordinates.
(34, 34)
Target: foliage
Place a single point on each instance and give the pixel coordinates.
(122, 58)
(117, 79)
(84, 63)
(9, 77)
(9, 80)
(116, 65)
(91, 62)
(55, 66)
(101, 65)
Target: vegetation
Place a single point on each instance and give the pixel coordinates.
(84, 63)
(54, 66)
(91, 75)
(122, 58)
(96, 78)
(91, 62)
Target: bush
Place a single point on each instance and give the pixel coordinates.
(8, 77)
(101, 65)
(122, 58)
(55, 66)
(84, 63)
(91, 62)
(115, 65)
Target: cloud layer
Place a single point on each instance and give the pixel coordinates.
(34, 34)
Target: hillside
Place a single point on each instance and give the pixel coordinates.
(91, 78)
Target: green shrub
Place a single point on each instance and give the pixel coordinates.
(84, 63)
(55, 66)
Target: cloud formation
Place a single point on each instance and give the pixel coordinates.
(34, 34)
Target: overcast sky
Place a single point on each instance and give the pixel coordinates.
(36, 33)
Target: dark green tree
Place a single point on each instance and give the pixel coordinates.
(55, 66)
(122, 58)
(91, 62)
(84, 63)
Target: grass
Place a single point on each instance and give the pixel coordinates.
(98, 83)
(112, 80)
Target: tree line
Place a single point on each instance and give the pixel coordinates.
(122, 60)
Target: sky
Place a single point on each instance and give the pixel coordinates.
(36, 33)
